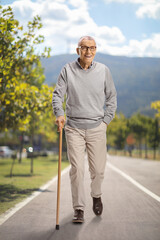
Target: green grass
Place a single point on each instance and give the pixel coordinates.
(135, 154)
(14, 189)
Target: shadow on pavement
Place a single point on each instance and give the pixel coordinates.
(71, 231)
(67, 230)
(9, 192)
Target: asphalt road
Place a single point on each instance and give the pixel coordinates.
(129, 212)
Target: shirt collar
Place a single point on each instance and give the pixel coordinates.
(80, 64)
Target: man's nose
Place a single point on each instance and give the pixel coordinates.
(89, 49)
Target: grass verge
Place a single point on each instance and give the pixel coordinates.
(14, 189)
(135, 154)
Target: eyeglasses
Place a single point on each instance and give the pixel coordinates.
(85, 48)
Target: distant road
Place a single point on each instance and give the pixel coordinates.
(129, 213)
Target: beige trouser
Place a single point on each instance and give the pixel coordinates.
(94, 141)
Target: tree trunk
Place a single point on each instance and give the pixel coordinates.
(130, 153)
(146, 149)
(32, 155)
(32, 165)
(21, 147)
(154, 153)
(11, 171)
(140, 149)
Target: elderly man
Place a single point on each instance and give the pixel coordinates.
(90, 106)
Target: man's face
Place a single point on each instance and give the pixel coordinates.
(87, 54)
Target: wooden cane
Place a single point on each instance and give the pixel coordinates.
(59, 177)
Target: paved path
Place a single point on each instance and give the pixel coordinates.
(129, 213)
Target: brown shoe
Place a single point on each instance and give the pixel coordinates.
(78, 216)
(97, 206)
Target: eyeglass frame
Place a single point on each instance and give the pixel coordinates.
(86, 48)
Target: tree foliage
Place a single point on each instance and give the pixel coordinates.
(137, 131)
(21, 79)
(156, 105)
(25, 99)
(118, 129)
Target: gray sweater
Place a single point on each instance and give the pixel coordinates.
(90, 95)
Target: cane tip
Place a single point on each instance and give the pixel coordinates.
(57, 227)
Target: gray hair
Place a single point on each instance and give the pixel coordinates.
(85, 38)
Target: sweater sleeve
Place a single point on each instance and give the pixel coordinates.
(110, 98)
(58, 94)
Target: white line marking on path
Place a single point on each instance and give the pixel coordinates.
(156, 197)
(5, 216)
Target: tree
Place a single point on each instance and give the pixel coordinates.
(37, 112)
(25, 100)
(130, 142)
(154, 135)
(155, 130)
(138, 128)
(21, 68)
(156, 105)
(117, 131)
(147, 125)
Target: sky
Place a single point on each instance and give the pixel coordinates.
(120, 27)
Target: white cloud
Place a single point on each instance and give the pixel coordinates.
(133, 1)
(79, 3)
(110, 34)
(148, 47)
(64, 22)
(146, 8)
(149, 10)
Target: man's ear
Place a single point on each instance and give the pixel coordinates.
(77, 49)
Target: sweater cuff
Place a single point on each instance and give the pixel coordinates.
(59, 113)
(107, 120)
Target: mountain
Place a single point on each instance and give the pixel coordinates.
(137, 80)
